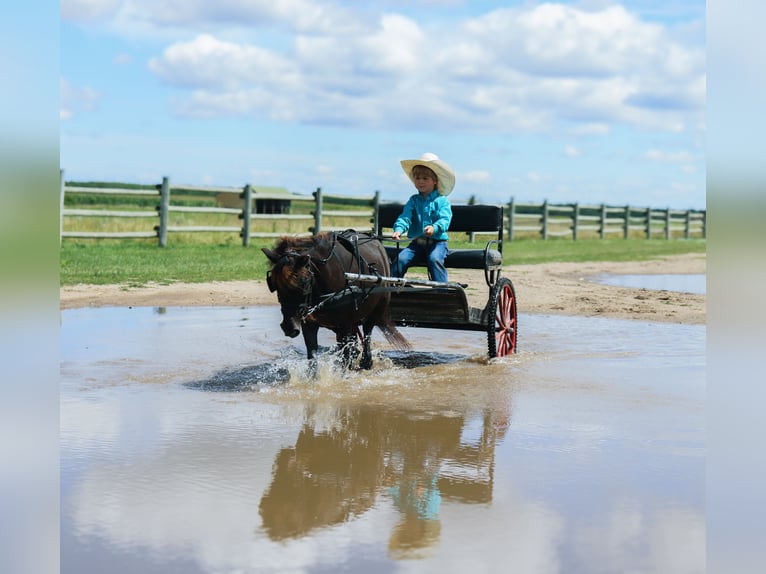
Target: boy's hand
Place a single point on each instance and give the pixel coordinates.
(428, 231)
(395, 235)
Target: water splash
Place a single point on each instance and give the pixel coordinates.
(294, 369)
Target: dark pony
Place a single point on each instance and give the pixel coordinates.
(308, 275)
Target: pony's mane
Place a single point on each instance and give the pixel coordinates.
(290, 243)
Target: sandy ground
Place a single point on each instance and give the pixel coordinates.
(549, 288)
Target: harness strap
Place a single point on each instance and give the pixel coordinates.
(350, 239)
(312, 299)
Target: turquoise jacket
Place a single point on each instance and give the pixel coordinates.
(419, 212)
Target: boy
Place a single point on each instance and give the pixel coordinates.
(426, 216)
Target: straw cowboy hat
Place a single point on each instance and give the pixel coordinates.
(441, 169)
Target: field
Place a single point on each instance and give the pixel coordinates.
(136, 262)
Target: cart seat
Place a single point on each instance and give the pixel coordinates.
(473, 258)
(465, 219)
(460, 258)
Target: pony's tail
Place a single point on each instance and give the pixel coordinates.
(394, 336)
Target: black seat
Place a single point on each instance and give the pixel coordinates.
(465, 219)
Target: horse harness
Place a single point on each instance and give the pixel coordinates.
(312, 301)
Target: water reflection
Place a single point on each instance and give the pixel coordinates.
(414, 460)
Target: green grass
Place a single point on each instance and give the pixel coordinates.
(137, 262)
(530, 251)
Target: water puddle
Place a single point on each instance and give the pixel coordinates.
(691, 283)
(193, 440)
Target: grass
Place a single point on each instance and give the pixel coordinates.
(137, 262)
(531, 251)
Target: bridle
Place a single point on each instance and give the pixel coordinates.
(307, 286)
(306, 282)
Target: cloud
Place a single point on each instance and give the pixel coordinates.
(479, 176)
(76, 99)
(591, 129)
(668, 157)
(89, 10)
(572, 151)
(507, 71)
(153, 16)
(558, 40)
(687, 162)
(536, 177)
(216, 66)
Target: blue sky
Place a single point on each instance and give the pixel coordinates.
(588, 102)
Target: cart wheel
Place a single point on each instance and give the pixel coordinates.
(502, 329)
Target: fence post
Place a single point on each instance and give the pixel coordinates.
(688, 224)
(247, 209)
(317, 211)
(164, 207)
(511, 213)
(648, 222)
(62, 191)
(704, 224)
(375, 206)
(667, 223)
(602, 231)
(626, 230)
(544, 230)
(575, 220)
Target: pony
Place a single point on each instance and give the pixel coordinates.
(307, 273)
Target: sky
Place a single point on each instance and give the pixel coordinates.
(590, 102)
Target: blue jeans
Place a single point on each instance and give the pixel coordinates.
(430, 252)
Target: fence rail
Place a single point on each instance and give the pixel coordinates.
(521, 219)
(551, 220)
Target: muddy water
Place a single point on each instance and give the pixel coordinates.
(192, 441)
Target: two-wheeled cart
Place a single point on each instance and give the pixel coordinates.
(436, 305)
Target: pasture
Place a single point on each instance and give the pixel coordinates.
(93, 261)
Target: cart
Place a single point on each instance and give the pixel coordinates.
(436, 305)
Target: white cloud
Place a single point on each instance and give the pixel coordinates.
(511, 70)
(537, 177)
(572, 151)
(396, 46)
(479, 176)
(76, 99)
(150, 17)
(89, 10)
(668, 157)
(561, 40)
(214, 65)
(591, 129)
(508, 71)
(687, 162)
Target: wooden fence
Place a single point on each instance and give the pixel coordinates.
(556, 220)
(162, 208)
(522, 219)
